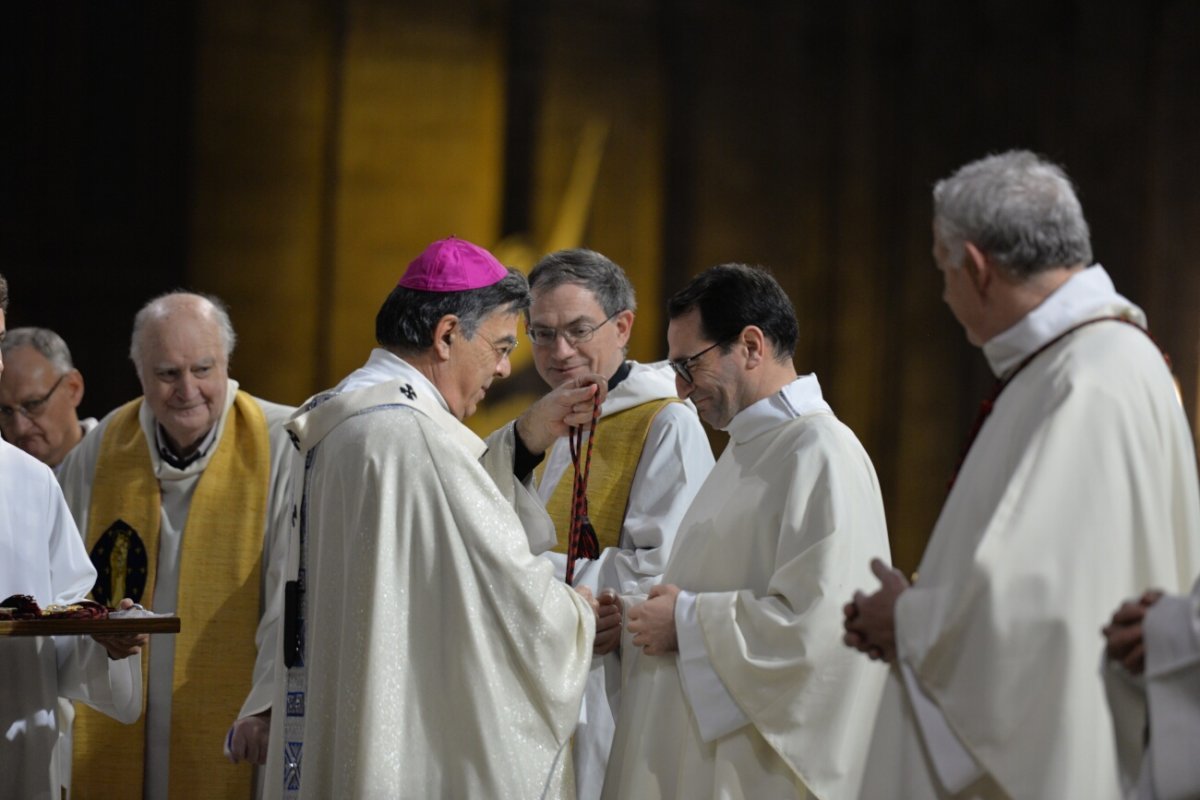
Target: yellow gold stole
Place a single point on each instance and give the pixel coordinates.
(218, 605)
(615, 455)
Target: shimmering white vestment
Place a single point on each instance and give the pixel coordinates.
(1080, 491)
(441, 658)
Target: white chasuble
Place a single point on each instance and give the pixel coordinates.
(42, 555)
(178, 487)
(778, 537)
(1079, 491)
(440, 657)
(673, 462)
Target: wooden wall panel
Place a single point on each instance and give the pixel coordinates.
(619, 212)
(330, 140)
(619, 41)
(420, 152)
(262, 95)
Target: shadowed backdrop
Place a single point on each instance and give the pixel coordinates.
(292, 157)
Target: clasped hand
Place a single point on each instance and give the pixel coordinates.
(653, 622)
(608, 610)
(871, 619)
(1123, 636)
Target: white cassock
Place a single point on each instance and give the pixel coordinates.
(42, 555)
(675, 460)
(763, 700)
(1164, 702)
(178, 486)
(1079, 491)
(440, 658)
(86, 425)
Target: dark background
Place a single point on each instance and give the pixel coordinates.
(292, 156)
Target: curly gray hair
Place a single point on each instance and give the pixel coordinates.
(1016, 207)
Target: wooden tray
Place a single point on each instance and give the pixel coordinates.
(103, 627)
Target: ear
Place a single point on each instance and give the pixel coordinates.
(624, 323)
(444, 334)
(73, 383)
(978, 268)
(755, 342)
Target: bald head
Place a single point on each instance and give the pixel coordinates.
(180, 347)
(178, 306)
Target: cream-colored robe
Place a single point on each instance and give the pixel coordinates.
(1164, 702)
(675, 460)
(42, 554)
(178, 487)
(1080, 491)
(776, 539)
(441, 658)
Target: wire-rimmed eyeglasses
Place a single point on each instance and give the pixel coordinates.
(680, 365)
(30, 409)
(575, 334)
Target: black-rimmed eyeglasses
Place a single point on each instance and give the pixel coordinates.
(30, 409)
(575, 334)
(680, 365)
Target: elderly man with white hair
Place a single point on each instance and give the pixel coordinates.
(180, 495)
(40, 392)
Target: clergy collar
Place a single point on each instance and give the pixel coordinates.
(621, 374)
(182, 462)
(800, 397)
(385, 380)
(640, 384)
(1088, 294)
(384, 365)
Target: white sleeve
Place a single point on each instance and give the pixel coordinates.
(955, 766)
(498, 463)
(275, 550)
(1172, 637)
(72, 575)
(1126, 695)
(716, 712)
(87, 674)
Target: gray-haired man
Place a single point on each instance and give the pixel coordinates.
(1078, 490)
(40, 392)
(650, 457)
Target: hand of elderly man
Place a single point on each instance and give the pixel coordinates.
(248, 739)
(1123, 636)
(871, 619)
(552, 416)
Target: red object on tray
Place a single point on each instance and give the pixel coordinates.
(22, 606)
